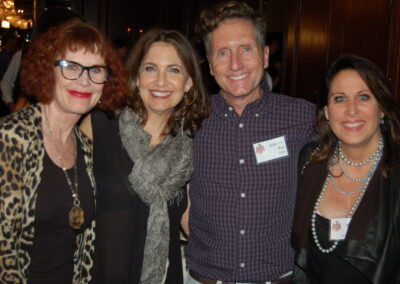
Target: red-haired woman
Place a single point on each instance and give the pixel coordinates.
(47, 197)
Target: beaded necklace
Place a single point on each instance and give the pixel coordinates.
(366, 161)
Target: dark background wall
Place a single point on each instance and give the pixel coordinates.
(313, 32)
(319, 31)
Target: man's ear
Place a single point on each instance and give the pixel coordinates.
(266, 56)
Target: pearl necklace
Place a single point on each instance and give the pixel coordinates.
(366, 161)
(364, 180)
(347, 175)
(338, 189)
(376, 156)
(353, 208)
(314, 216)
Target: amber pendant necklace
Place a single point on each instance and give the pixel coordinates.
(76, 215)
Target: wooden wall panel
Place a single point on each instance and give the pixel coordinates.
(367, 29)
(275, 15)
(115, 16)
(393, 71)
(309, 41)
(289, 68)
(322, 30)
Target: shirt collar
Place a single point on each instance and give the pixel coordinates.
(221, 108)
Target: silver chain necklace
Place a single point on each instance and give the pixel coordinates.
(353, 208)
(76, 215)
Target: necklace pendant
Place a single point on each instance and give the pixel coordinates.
(76, 217)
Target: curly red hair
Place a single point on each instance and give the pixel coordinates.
(37, 67)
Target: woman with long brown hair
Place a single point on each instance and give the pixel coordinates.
(347, 219)
(142, 160)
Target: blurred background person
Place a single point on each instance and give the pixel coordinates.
(142, 160)
(122, 49)
(10, 44)
(47, 195)
(275, 61)
(347, 218)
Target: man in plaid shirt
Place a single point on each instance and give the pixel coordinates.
(243, 188)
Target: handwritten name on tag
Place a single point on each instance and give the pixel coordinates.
(270, 149)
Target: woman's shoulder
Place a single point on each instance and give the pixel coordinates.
(99, 116)
(305, 154)
(308, 147)
(28, 116)
(103, 122)
(21, 125)
(393, 181)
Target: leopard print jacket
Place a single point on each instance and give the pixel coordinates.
(21, 165)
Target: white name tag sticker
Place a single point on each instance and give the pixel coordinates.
(338, 228)
(270, 149)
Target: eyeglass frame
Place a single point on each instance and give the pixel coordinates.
(83, 67)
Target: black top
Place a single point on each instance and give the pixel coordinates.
(55, 241)
(330, 268)
(121, 216)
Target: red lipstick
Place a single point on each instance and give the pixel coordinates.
(83, 95)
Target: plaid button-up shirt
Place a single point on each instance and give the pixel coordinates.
(241, 213)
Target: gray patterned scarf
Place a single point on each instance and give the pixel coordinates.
(158, 174)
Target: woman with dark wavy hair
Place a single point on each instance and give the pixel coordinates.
(47, 196)
(347, 219)
(143, 159)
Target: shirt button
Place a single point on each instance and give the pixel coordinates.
(243, 195)
(241, 125)
(242, 265)
(230, 108)
(226, 115)
(242, 232)
(241, 161)
(257, 115)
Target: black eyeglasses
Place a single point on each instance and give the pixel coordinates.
(73, 71)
